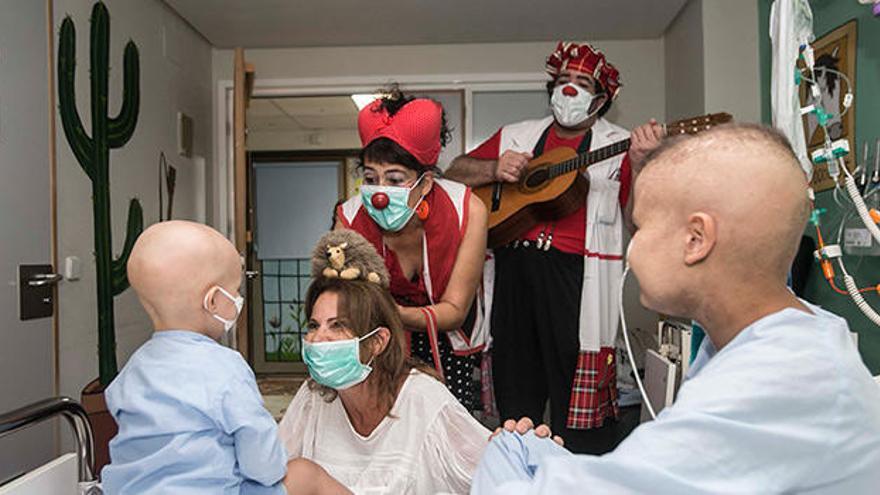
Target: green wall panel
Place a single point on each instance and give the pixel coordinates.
(828, 15)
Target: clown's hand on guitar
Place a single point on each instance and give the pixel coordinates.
(511, 165)
(644, 139)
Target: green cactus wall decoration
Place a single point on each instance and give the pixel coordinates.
(93, 154)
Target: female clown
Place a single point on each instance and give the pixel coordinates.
(430, 232)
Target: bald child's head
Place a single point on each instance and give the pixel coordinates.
(177, 269)
(724, 208)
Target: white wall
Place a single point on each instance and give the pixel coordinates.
(712, 60)
(26, 355)
(732, 70)
(685, 94)
(175, 74)
(640, 63)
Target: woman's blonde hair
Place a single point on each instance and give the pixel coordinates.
(362, 307)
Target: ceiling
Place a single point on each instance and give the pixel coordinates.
(287, 23)
(301, 114)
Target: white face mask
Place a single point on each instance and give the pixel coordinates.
(571, 111)
(237, 301)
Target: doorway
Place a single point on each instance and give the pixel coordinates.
(293, 196)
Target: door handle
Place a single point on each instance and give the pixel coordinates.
(44, 279)
(36, 294)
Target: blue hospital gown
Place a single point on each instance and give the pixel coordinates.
(786, 407)
(191, 421)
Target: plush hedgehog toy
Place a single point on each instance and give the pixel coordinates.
(347, 255)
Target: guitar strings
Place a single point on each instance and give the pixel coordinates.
(588, 158)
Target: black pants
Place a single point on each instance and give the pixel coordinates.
(535, 315)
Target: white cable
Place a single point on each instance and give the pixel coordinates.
(861, 207)
(849, 281)
(629, 351)
(857, 298)
(839, 74)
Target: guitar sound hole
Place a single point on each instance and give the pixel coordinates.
(537, 178)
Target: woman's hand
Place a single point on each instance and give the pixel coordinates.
(523, 426)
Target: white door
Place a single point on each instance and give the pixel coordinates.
(26, 347)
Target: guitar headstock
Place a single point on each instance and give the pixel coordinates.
(697, 124)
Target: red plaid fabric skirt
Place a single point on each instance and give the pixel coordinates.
(594, 391)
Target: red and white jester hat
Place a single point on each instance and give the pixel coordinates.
(585, 58)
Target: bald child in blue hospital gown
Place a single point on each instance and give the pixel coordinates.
(777, 399)
(191, 419)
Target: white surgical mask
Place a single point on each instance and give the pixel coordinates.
(571, 111)
(237, 301)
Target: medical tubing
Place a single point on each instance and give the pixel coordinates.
(839, 74)
(859, 300)
(840, 260)
(629, 351)
(861, 207)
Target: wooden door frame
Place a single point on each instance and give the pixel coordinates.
(242, 89)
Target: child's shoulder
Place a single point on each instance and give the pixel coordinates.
(225, 361)
(192, 355)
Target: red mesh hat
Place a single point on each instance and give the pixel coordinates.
(587, 59)
(415, 127)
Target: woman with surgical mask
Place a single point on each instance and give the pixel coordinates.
(430, 232)
(376, 420)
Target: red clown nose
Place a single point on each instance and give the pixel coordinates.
(380, 201)
(569, 91)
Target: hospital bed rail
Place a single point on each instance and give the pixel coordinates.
(37, 412)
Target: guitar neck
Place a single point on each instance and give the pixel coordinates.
(587, 158)
(692, 125)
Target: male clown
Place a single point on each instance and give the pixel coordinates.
(554, 312)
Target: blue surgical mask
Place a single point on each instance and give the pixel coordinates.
(396, 212)
(336, 364)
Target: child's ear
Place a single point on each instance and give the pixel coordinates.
(210, 301)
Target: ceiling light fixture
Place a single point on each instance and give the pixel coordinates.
(362, 100)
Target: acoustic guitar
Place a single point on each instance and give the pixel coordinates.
(553, 185)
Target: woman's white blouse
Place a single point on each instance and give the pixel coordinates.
(429, 444)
